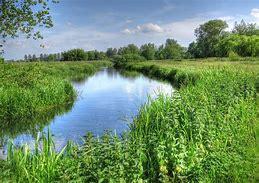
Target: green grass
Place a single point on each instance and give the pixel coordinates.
(30, 91)
(205, 132)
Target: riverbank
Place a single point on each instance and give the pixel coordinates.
(220, 93)
(204, 133)
(28, 90)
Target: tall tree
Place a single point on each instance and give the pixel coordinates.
(244, 28)
(41, 57)
(75, 55)
(172, 49)
(34, 58)
(111, 52)
(148, 51)
(25, 57)
(208, 35)
(130, 49)
(29, 57)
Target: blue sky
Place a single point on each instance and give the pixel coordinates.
(99, 24)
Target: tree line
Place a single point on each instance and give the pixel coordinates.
(170, 50)
(212, 40)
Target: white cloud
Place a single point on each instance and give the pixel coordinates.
(60, 39)
(255, 13)
(183, 31)
(145, 28)
(127, 31)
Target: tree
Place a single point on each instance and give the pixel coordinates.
(29, 58)
(25, 57)
(58, 57)
(45, 57)
(130, 49)
(1, 60)
(91, 55)
(51, 57)
(172, 50)
(208, 35)
(41, 57)
(24, 16)
(122, 59)
(160, 53)
(244, 28)
(34, 58)
(111, 52)
(75, 55)
(242, 45)
(99, 55)
(148, 51)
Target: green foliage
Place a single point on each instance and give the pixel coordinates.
(204, 132)
(1, 60)
(75, 55)
(24, 16)
(122, 59)
(96, 55)
(171, 50)
(130, 49)
(208, 35)
(244, 28)
(91, 55)
(42, 165)
(100, 55)
(27, 89)
(148, 51)
(233, 56)
(213, 41)
(194, 136)
(111, 52)
(245, 46)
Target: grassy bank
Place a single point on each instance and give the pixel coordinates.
(205, 132)
(30, 89)
(213, 113)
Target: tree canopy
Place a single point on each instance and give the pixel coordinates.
(24, 17)
(244, 28)
(208, 35)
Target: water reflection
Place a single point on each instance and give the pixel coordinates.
(104, 101)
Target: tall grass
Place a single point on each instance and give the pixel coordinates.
(205, 132)
(27, 89)
(42, 164)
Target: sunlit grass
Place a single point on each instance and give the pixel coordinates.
(205, 132)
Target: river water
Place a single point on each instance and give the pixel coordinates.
(108, 100)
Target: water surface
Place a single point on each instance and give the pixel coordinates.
(107, 100)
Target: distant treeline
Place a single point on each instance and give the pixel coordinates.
(212, 40)
(70, 55)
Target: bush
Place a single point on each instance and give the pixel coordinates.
(233, 56)
(245, 46)
(122, 59)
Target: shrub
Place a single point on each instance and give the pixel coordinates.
(122, 59)
(233, 56)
